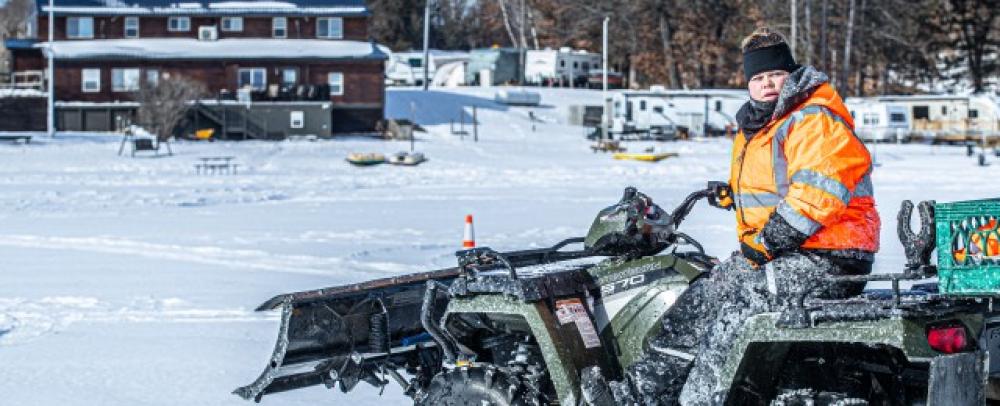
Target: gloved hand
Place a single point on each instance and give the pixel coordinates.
(780, 237)
(722, 195)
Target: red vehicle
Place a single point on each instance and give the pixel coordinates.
(595, 77)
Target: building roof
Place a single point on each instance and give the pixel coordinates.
(206, 7)
(19, 43)
(227, 49)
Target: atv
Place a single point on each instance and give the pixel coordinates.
(518, 328)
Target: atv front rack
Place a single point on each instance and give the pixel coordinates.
(342, 335)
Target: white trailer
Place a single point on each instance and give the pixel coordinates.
(946, 118)
(877, 121)
(562, 67)
(407, 68)
(697, 112)
(643, 113)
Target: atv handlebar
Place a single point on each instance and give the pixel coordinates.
(682, 211)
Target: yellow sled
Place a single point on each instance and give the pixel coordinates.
(365, 159)
(645, 157)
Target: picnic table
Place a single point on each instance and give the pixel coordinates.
(216, 165)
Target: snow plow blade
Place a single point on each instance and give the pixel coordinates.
(340, 336)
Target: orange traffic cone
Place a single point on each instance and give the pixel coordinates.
(470, 237)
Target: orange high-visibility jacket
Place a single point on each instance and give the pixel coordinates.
(809, 166)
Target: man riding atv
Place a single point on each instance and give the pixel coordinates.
(800, 184)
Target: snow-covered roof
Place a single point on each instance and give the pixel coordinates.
(207, 7)
(437, 53)
(235, 48)
(721, 93)
(5, 93)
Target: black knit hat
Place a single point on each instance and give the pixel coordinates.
(774, 57)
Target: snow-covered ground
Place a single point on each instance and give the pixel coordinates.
(132, 281)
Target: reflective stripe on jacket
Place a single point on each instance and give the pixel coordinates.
(809, 167)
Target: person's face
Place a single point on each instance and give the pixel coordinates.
(765, 86)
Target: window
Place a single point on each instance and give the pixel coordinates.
(297, 119)
(80, 27)
(234, 24)
(642, 105)
(289, 76)
(179, 24)
(336, 82)
(973, 113)
(207, 33)
(944, 110)
(718, 105)
(415, 62)
(330, 27)
(586, 66)
(131, 27)
(91, 80)
(575, 65)
(279, 27)
(897, 117)
(125, 80)
(871, 119)
(921, 113)
(255, 78)
(562, 64)
(152, 77)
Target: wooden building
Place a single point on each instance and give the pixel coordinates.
(285, 52)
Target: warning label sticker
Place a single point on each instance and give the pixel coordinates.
(572, 311)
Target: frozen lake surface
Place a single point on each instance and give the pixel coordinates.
(132, 281)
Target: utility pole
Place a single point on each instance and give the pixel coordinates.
(427, 36)
(51, 119)
(606, 121)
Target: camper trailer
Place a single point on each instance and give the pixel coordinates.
(880, 122)
(945, 118)
(407, 68)
(562, 67)
(696, 112)
(643, 113)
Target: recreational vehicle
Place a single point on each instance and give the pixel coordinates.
(407, 68)
(946, 118)
(690, 111)
(641, 113)
(562, 67)
(874, 121)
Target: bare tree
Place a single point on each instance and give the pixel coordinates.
(847, 45)
(974, 27)
(163, 106)
(14, 17)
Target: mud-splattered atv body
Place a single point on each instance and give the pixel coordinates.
(508, 328)
(519, 327)
(921, 346)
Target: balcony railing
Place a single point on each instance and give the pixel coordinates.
(276, 92)
(29, 79)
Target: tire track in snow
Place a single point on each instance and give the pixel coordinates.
(244, 259)
(23, 320)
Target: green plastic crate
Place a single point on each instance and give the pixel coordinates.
(968, 247)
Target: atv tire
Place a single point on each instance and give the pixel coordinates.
(476, 386)
(809, 397)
